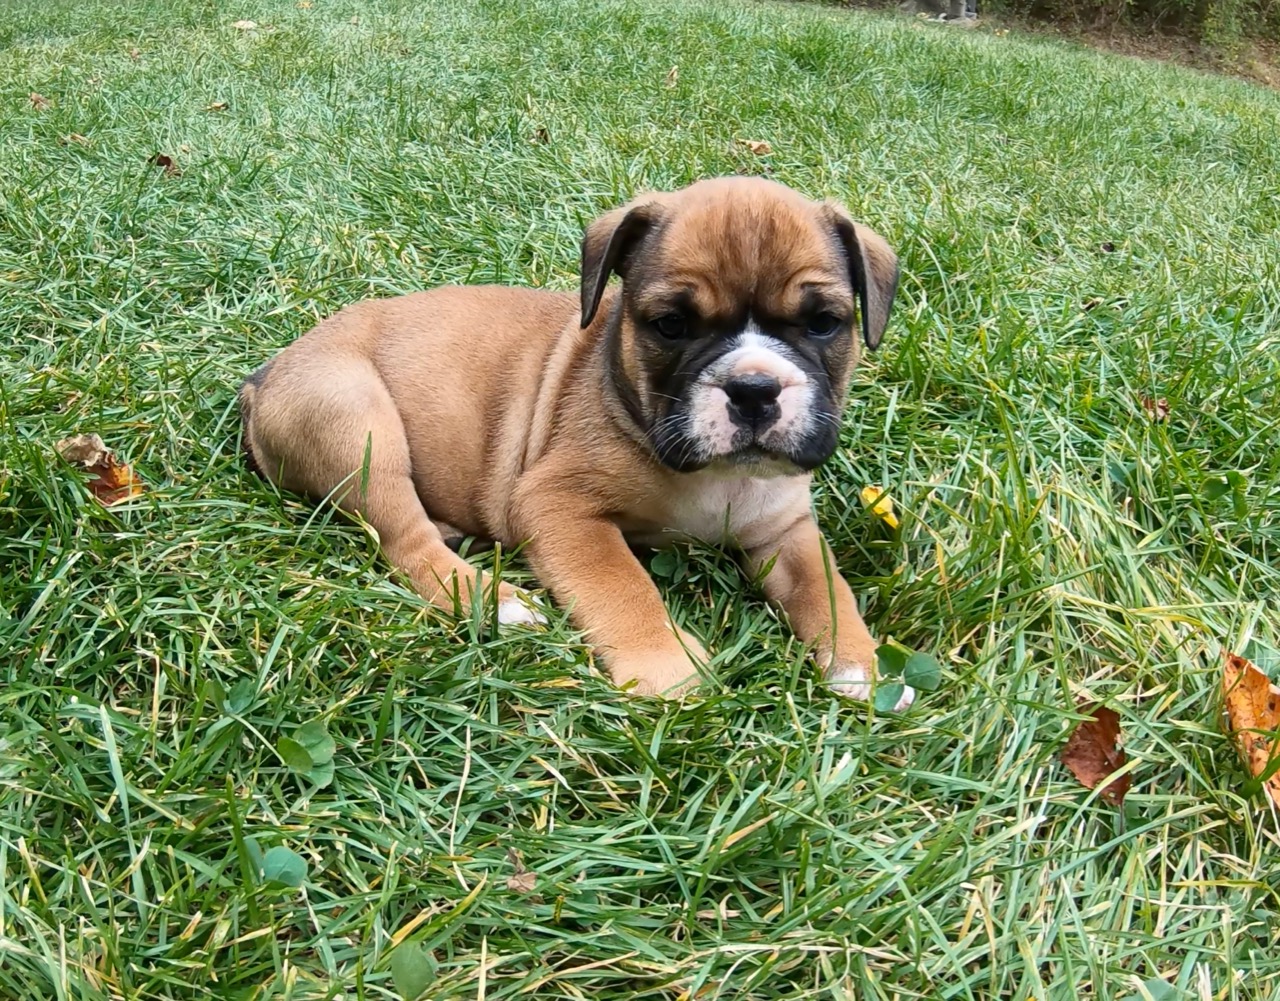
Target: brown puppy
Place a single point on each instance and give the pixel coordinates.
(694, 400)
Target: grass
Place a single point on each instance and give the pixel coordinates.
(1077, 231)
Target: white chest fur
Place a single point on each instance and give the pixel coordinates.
(718, 507)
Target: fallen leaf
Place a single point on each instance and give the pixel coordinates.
(165, 163)
(217, 106)
(1253, 704)
(113, 481)
(74, 137)
(722, 912)
(304, 4)
(1157, 410)
(135, 54)
(881, 505)
(1093, 752)
(541, 136)
(523, 880)
(673, 76)
(245, 25)
(355, 19)
(757, 146)
(40, 102)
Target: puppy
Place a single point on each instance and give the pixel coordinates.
(695, 399)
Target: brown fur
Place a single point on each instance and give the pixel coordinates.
(493, 412)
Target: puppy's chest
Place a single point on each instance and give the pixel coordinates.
(747, 511)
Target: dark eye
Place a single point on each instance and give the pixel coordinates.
(673, 326)
(823, 325)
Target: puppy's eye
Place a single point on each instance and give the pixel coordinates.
(823, 325)
(673, 326)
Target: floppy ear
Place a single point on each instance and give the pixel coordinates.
(605, 247)
(873, 268)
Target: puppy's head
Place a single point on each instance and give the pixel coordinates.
(737, 328)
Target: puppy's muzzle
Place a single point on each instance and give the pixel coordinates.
(753, 401)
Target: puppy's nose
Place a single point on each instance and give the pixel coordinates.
(753, 399)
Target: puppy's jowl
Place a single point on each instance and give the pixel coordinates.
(694, 399)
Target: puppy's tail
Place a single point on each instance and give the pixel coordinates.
(249, 389)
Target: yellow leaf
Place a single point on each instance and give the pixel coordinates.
(881, 505)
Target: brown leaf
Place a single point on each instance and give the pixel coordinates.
(1253, 704)
(673, 76)
(166, 163)
(541, 136)
(74, 137)
(757, 146)
(245, 25)
(1157, 410)
(113, 481)
(523, 880)
(40, 102)
(1108, 247)
(1093, 752)
(135, 54)
(217, 106)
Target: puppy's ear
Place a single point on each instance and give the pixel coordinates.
(605, 247)
(873, 268)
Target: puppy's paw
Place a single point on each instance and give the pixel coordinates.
(854, 681)
(518, 607)
(669, 674)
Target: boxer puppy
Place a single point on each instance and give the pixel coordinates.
(695, 399)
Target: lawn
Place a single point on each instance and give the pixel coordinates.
(1078, 232)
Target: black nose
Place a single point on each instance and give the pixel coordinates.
(753, 399)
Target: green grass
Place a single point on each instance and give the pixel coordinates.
(1057, 544)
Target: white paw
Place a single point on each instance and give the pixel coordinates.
(853, 681)
(520, 611)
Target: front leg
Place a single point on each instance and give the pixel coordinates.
(583, 560)
(805, 583)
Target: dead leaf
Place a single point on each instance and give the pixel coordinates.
(165, 163)
(673, 76)
(880, 504)
(40, 102)
(355, 19)
(74, 137)
(523, 880)
(245, 25)
(1253, 704)
(757, 146)
(1093, 752)
(217, 106)
(1157, 410)
(113, 481)
(722, 912)
(304, 4)
(541, 136)
(135, 54)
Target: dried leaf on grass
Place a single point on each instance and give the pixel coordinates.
(1253, 713)
(245, 25)
(40, 102)
(757, 146)
(673, 76)
(166, 163)
(113, 481)
(1093, 752)
(1157, 410)
(216, 106)
(522, 880)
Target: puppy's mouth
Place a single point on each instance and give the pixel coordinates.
(750, 409)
